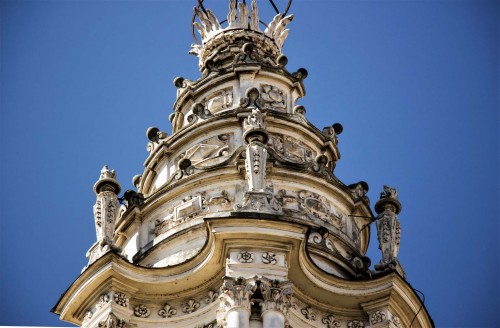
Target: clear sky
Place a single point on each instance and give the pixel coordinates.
(414, 83)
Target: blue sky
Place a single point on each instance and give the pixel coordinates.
(414, 83)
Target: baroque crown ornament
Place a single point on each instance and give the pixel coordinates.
(241, 25)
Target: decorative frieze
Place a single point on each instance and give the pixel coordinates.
(120, 299)
(167, 311)
(245, 257)
(355, 324)
(211, 297)
(308, 313)
(377, 317)
(330, 321)
(141, 311)
(269, 258)
(190, 306)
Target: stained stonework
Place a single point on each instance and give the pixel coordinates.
(238, 219)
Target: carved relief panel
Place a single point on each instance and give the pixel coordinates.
(291, 148)
(207, 151)
(273, 97)
(219, 100)
(313, 205)
(179, 211)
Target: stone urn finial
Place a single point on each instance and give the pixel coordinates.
(388, 229)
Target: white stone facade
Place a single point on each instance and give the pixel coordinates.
(238, 219)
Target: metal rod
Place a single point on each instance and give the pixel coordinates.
(200, 3)
(274, 6)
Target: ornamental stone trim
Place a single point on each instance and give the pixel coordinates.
(141, 311)
(245, 257)
(269, 258)
(377, 317)
(167, 311)
(355, 324)
(190, 306)
(120, 299)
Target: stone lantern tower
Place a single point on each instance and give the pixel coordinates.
(238, 220)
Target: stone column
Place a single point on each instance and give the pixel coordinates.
(273, 319)
(277, 298)
(235, 307)
(238, 317)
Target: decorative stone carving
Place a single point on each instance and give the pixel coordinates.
(224, 200)
(240, 17)
(220, 100)
(142, 311)
(296, 150)
(277, 29)
(120, 299)
(276, 142)
(308, 313)
(211, 297)
(269, 258)
(291, 149)
(198, 111)
(359, 191)
(111, 321)
(258, 197)
(87, 317)
(253, 100)
(299, 109)
(388, 228)
(133, 198)
(330, 321)
(277, 295)
(156, 137)
(377, 317)
(181, 211)
(397, 322)
(207, 149)
(212, 324)
(190, 306)
(105, 213)
(355, 324)
(248, 55)
(322, 239)
(245, 257)
(167, 311)
(177, 120)
(256, 157)
(320, 207)
(237, 293)
(273, 97)
(103, 300)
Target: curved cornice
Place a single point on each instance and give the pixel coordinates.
(205, 269)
